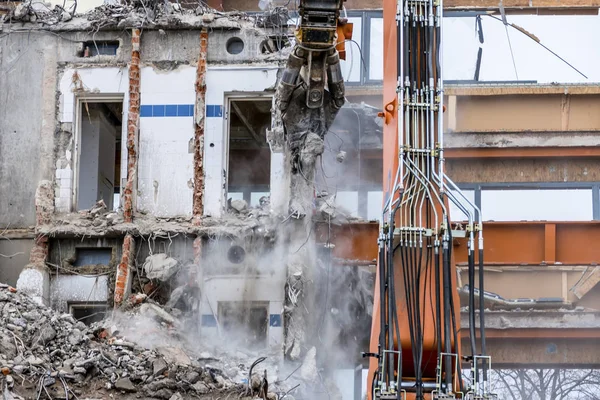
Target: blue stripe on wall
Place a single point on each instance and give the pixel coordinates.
(167, 110)
(275, 320)
(214, 110)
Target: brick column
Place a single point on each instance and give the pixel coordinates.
(198, 207)
(123, 279)
(133, 120)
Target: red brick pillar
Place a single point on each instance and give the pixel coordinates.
(133, 120)
(123, 279)
(198, 207)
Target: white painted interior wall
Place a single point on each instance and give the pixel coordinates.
(221, 82)
(66, 289)
(97, 171)
(166, 148)
(96, 82)
(233, 288)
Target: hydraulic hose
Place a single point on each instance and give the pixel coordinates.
(454, 325)
(447, 312)
(382, 313)
(472, 298)
(482, 312)
(438, 310)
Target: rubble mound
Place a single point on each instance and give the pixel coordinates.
(48, 355)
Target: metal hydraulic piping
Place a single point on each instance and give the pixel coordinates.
(415, 218)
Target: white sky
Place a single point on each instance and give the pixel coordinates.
(574, 38)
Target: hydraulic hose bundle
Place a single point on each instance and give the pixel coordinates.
(416, 271)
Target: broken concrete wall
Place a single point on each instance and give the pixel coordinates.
(15, 255)
(166, 143)
(28, 82)
(82, 271)
(75, 83)
(222, 82)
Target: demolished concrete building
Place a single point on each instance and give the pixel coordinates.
(161, 172)
(139, 154)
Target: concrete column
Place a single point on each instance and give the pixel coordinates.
(34, 279)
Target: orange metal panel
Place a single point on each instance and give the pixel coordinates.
(514, 243)
(578, 243)
(511, 243)
(550, 243)
(540, 333)
(356, 241)
(512, 152)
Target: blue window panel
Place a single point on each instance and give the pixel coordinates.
(210, 110)
(158, 110)
(183, 110)
(275, 320)
(145, 111)
(214, 110)
(209, 321)
(171, 110)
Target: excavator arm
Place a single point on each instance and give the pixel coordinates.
(310, 91)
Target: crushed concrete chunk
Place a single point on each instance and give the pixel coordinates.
(159, 366)
(200, 388)
(239, 205)
(308, 370)
(45, 335)
(125, 385)
(159, 266)
(154, 311)
(174, 355)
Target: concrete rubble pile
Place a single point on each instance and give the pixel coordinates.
(45, 354)
(151, 14)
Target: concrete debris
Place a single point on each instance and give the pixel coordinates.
(98, 209)
(239, 205)
(126, 15)
(159, 266)
(35, 342)
(125, 384)
(328, 207)
(308, 370)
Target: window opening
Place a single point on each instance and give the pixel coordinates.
(249, 170)
(88, 313)
(99, 154)
(93, 48)
(92, 256)
(245, 322)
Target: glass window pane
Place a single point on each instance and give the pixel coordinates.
(352, 65)
(374, 205)
(456, 213)
(376, 49)
(537, 205)
(348, 201)
(255, 198)
(235, 195)
(575, 41)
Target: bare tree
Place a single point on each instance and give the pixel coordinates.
(546, 384)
